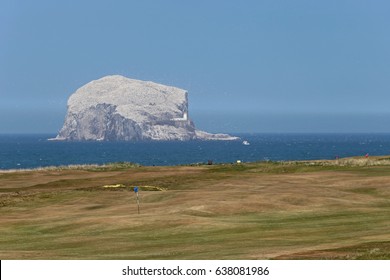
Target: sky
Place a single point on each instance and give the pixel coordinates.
(269, 66)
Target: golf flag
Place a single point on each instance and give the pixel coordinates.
(136, 191)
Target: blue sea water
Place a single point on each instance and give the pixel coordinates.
(32, 151)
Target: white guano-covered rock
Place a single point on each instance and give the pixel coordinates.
(120, 109)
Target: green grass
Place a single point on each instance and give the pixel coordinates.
(266, 210)
(150, 242)
(219, 236)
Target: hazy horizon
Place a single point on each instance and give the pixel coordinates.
(232, 124)
(262, 66)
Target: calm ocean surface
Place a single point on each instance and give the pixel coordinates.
(31, 151)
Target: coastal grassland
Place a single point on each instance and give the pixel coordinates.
(267, 210)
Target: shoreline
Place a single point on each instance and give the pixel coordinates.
(382, 160)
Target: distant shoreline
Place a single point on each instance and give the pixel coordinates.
(356, 161)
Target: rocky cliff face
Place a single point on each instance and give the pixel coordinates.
(117, 108)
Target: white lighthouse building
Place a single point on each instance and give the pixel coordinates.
(184, 118)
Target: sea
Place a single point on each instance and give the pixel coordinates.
(35, 151)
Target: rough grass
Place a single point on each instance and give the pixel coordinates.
(265, 210)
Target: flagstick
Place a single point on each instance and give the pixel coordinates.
(138, 202)
(136, 191)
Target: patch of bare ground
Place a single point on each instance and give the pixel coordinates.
(362, 251)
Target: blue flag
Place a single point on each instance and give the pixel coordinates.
(135, 189)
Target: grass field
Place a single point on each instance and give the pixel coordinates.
(268, 210)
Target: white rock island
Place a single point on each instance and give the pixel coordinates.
(116, 108)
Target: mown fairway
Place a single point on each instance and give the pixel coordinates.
(309, 210)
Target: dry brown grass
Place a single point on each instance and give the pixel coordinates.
(248, 211)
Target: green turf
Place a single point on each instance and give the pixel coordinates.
(76, 218)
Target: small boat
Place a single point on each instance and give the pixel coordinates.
(246, 143)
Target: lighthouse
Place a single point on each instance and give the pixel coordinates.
(184, 118)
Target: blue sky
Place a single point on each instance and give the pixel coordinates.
(249, 66)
